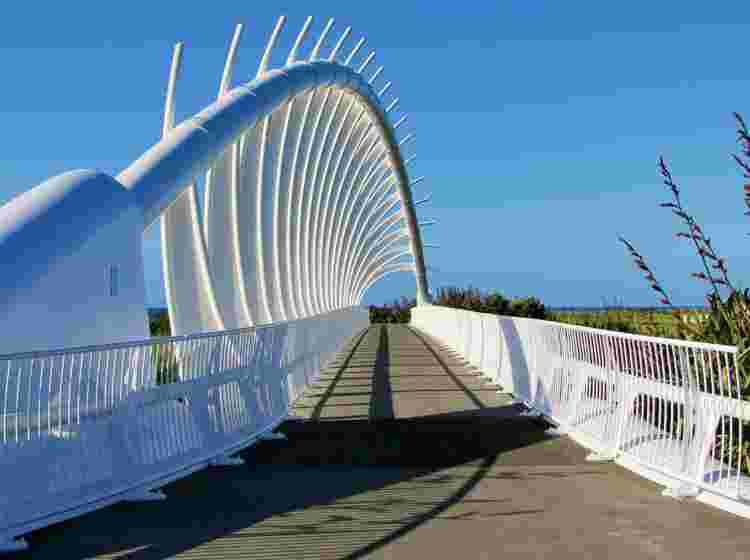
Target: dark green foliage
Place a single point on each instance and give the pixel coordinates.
(725, 319)
(398, 312)
(462, 298)
(158, 320)
(527, 307)
(493, 302)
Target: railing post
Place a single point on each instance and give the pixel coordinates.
(579, 381)
(625, 400)
(618, 403)
(692, 443)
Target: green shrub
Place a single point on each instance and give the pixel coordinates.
(529, 307)
(398, 312)
(493, 302)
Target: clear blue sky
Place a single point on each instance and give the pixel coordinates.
(538, 123)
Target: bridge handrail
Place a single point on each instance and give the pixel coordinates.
(671, 410)
(82, 428)
(151, 341)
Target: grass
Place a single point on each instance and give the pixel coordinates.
(647, 322)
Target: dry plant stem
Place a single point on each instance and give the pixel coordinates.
(641, 263)
(743, 139)
(696, 236)
(702, 244)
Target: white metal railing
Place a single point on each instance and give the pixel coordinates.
(82, 428)
(671, 410)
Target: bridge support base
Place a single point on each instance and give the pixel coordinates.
(271, 436)
(600, 457)
(680, 491)
(227, 461)
(12, 545)
(147, 496)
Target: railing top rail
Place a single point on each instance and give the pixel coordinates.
(152, 341)
(613, 334)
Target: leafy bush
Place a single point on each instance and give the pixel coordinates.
(398, 312)
(471, 299)
(493, 302)
(528, 307)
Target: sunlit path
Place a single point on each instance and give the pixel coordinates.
(447, 468)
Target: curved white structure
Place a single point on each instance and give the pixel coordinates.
(307, 204)
(290, 158)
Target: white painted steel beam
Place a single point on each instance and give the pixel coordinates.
(293, 162)
(306, 203)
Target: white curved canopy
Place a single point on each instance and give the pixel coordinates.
(295, 161)
(307, 204)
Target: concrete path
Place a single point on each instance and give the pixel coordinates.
(406, 454)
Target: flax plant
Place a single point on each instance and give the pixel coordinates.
(729, 316)
(729, 307)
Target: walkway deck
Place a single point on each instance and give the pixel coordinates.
(406, 455)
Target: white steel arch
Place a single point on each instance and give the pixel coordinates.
(302, 166)
(307, 199)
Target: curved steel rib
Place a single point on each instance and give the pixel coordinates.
(252, 140)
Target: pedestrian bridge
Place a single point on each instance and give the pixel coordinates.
(402, 450)
(277, 422)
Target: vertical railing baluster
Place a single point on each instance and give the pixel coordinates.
(5, 401)
(740, 415)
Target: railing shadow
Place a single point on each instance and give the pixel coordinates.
(381, 402)
(365, 471)
(356, 484)
(518, 366)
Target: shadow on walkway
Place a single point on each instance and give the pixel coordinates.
(337, 488)
(357, 485)
(406, 454)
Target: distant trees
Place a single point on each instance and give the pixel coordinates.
(397, 312)
(491, 302)
(400, 310)
(463, 298)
